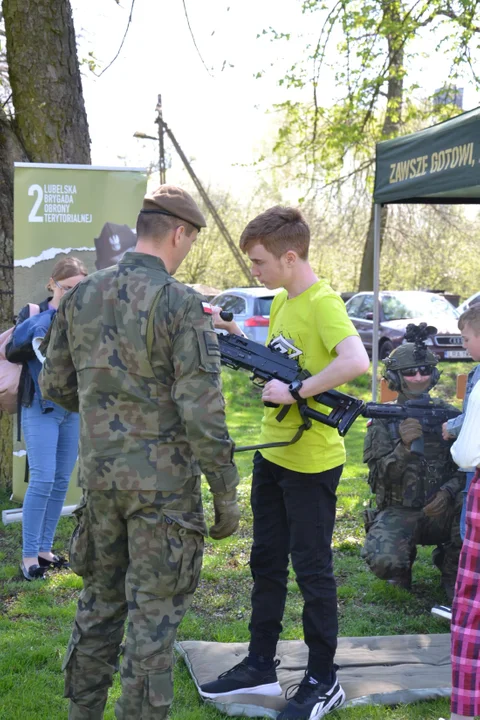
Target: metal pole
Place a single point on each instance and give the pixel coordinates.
(376, 307)
(161, 145)
(220, 224)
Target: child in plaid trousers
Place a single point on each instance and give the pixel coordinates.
(465, 629)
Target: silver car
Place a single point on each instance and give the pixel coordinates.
(251, 309)
(469, 302)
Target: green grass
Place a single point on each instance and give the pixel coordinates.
(35, 618)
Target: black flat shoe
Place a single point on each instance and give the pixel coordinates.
(34, 572)
(57, 562)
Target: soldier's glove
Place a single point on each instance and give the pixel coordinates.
(227, 515)
(409, 430)
(438, 505)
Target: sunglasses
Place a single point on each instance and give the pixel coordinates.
(422, 369)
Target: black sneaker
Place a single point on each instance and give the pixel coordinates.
(244, 678)
(313, 700)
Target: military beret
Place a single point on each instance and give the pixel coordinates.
(172, 200)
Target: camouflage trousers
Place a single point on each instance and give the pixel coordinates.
(390, 547)
(140, 555)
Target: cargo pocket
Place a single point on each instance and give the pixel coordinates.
(80, 542)
(184, 533)
(67, 665)
(160, 691)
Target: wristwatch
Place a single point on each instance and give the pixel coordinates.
(294, 389)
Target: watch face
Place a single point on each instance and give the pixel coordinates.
(294, 387)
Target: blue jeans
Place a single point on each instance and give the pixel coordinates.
(51, 440)
(463, 526)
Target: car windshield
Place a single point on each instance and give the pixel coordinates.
(262, 305)
(416, 305)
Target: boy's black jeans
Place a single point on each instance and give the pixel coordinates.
(293, 514)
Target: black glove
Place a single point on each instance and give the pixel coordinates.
(227, 515)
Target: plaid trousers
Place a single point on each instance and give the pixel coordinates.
(466, 614)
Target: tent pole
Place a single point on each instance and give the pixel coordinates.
(376, 307)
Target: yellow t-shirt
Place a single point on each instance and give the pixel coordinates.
(308, 328)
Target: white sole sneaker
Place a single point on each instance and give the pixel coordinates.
(271, 689)
(442, 611)
(336, 701)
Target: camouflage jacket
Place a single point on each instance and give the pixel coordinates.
(148, 417)
(399, 477)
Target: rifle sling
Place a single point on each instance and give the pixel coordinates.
(295, 439)
(307, 424)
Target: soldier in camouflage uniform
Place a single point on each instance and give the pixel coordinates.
(418, 498)
(134, 352)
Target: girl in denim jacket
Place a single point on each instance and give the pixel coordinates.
(51, 433)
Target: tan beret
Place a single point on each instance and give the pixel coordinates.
(171, 200)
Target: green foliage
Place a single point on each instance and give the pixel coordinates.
(370, 49)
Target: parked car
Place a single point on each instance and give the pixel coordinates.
(251, 309)
(397, 310)
(472, 300)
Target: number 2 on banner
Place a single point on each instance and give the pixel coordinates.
(38, 191)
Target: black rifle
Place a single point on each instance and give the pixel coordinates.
(430, 416)
(267, 364)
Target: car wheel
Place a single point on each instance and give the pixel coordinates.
(384, 350)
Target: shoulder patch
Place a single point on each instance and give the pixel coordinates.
(207, 308)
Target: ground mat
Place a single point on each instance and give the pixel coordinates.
(373, 670)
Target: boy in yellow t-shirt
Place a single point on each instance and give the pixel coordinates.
(293, 487)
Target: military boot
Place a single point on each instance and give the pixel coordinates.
(402, 579)
(438, 557)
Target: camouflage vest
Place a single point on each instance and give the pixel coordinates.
(420, 477)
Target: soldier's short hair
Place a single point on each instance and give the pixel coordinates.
(157, 226)
(471, 317)
(278, 229)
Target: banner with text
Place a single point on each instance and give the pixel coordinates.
(438, 164)
(77, 210)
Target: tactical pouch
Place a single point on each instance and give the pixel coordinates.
(80, 545)
(184, 535)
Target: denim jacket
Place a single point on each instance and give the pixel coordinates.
(20, 350)
(455, 424)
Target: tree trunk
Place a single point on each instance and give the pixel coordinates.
(50, 125)
(391, 127)
(50, 118)
(10, 151)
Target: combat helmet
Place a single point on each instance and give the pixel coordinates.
(413, 353)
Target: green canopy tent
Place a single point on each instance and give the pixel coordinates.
(440, 164)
